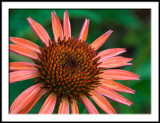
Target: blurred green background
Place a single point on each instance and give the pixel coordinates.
(132, 30)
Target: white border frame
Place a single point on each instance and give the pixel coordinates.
(75, 5)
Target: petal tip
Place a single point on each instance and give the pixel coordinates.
(131, 91)
(54, 12)
(137, 77)
(129, 64)
(123, 50)
(109, 32)
(130, 59)
(10, 38)
(28, 18)
(88, 22)
(66, 12)
(129, 103)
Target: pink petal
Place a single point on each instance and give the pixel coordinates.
(56, 26)
(74, 107)
(113, 95)
(39, 31)
(84, 31)
(102, 102)
(100, 41)
(49, 104)
(106, 83)
(29, 92)
(89, 105)
(117, 74)
(64, 106)
(22, 75)
(13, 66)
(23, 51)
(66, 25)
(33, 102)
(113, 62)
(25, 43)
(27, 99)
(105, 54)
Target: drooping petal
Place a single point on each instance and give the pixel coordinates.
(49, 104)
(13, 66)
(84, 31)
(113, 95)
(89, 105)
(100, 41)
(102, 102)
(105, 54)
(33, 102)
(27, 99)
(39, 31)
(113, 62)
(56, 26)
(25, 43)
(66, 25)
(23, 51)
(74, 107)
(107, 83)
(29, 92)
(22, 75)
(64, 106)
(117, 74)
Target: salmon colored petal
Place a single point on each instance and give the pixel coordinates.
(106, 83)
(28, 92)
(66, 25)
(89, 105)
(23, 51)
(117, 74)
(13, 66)
(100, 41)
(113, 62)
(49, 104)
(113, 95)
(27, 99)
(39, 31)
(102, 102)
(22, 75)
(74, 107)
(105, 54)
(26, 109)
(84, 31)
(25, 43)
(64, 106)
(56, 26)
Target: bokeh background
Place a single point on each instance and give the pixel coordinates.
(132, 30)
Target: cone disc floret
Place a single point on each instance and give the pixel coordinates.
(68, 68)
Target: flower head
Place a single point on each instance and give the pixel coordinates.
(68, 70)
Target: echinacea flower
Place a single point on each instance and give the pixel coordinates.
(68, 70)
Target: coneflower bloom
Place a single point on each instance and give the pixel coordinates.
(69, 70)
